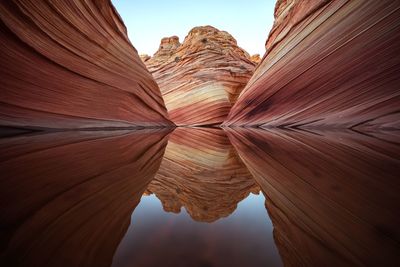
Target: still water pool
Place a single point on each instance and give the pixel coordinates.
(200, 197)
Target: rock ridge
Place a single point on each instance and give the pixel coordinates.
(201, 77)
(70, 64)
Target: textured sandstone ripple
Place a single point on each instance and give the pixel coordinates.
(201, 172)
(69, 64)
(201, 78)
(332, 197)
(328, 64)
(67, 198)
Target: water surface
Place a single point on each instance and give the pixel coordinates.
(200, 197)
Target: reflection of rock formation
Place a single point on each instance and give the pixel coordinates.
(69, 64)
(67, 198)
(328, 64)
(201, 78)
(333, 199)
(201, 172)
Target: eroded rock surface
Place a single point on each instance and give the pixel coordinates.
(70, 64)
(201, 78)
(329, 64)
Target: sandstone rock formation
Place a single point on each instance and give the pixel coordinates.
(328, 64)
(201, 78)
(69, 64)
(67, 198)
(166, 50)
(144, 57)
(255, 58)
(332, 197)
(201, 172)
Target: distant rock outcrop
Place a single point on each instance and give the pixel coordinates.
(255, 58)
(70, 64)
(329, 64)
(201, 78)
(144, 57)
(167, 48)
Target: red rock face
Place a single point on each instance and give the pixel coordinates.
(69, 64)
(332, 197)
(67, 198)
(201, 78)
(328, 64)
(201, 172)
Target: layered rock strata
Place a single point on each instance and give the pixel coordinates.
(328, 64)
(332, 197)
(67, 198)
(201, 78)
(202, 173)
(70, 64)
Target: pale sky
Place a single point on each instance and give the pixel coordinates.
(147, 21)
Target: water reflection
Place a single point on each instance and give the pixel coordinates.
(66, 198)
(333, 197)
(72, 199)
(201, 172)
(157, 238)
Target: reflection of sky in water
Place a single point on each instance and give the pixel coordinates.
(242, 239)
